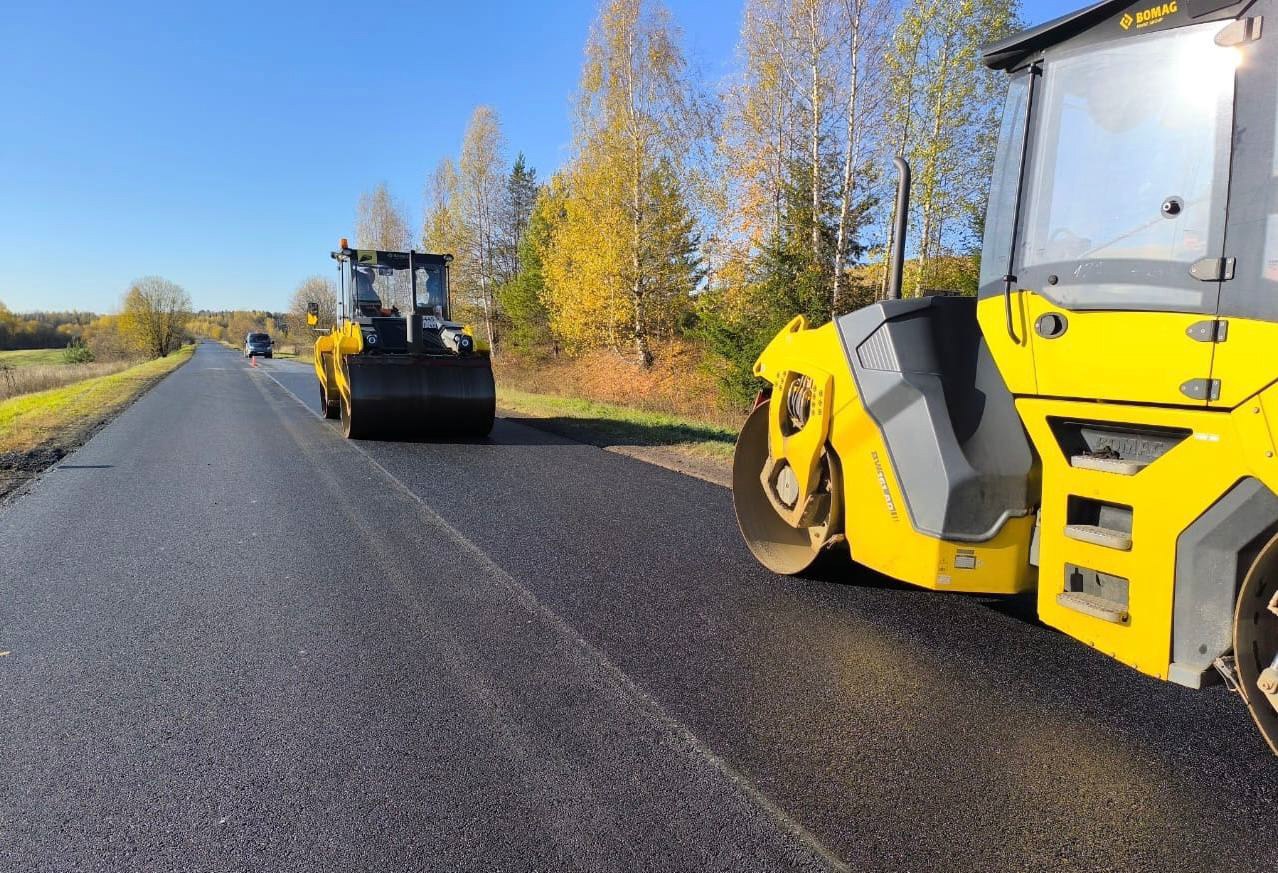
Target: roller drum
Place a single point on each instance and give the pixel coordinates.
(1256, 641)
(418, 396)
(777, 546)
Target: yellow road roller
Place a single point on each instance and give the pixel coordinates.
(1095, 424)
(394, 363)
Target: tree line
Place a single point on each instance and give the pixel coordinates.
(152, 323)
(40, 330)
(715, 214)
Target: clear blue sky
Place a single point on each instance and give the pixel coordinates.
(224, 145)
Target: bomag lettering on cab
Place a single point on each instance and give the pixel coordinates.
(1155, 14)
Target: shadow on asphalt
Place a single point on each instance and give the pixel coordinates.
(835, 567)
(608, 432)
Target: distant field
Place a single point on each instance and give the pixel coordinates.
(30, 357)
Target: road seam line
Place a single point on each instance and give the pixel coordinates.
(645, 701)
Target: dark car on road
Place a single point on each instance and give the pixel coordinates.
(259, 344)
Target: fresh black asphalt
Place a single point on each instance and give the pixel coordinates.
(238, 642)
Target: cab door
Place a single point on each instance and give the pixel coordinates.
(1247, 323)
(1120, 250)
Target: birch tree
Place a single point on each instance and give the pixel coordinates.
(481, 193)
(862, 37)
(444, 232)
(380, 222)
(945, 104)
(800, 114)
(760, 127)
(628, 227)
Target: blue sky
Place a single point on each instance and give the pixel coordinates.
(224, 146)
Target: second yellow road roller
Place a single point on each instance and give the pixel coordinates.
(395, 364)
(1100, 423)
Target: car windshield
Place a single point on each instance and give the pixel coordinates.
(259, 338)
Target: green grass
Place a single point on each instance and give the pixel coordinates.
(31, 357)
(606, 424)
(62, 416)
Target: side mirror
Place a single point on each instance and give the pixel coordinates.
(312, 314)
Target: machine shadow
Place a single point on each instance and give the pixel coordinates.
(607, 432)
(836, 567)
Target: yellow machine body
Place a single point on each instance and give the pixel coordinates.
(1227, 441)
(878, 532)
(1102, 424)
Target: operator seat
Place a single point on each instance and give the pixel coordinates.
(367, 303)
(957, 446)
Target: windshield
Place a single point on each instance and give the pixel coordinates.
(259, 338)
(431, 294)
(378, 289)
(1129, 168)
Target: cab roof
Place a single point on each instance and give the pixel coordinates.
(381, 258)
(1011, 51)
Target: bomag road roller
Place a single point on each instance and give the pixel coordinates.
(394, 364)
(1101, 421)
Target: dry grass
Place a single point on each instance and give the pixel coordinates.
(29, 379)
(668, 412)
(609, 424)
(293, 350)
(677, 384)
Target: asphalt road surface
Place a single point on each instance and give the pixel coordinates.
(235, 641)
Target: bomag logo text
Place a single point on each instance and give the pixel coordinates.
(1146, 17)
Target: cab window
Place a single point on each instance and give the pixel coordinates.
(1130, 162)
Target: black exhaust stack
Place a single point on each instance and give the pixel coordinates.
(896, 265)
(413, 323)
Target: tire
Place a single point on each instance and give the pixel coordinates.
(269, 355)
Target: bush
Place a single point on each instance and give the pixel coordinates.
(77, 352)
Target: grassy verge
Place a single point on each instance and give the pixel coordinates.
(61, 418)
(607, 424)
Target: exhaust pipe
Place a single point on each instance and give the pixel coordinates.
(896, 265)
(413, 320)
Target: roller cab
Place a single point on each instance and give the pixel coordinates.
(394, 364)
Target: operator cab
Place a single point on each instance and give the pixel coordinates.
(400, 300)
(1127, 208)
